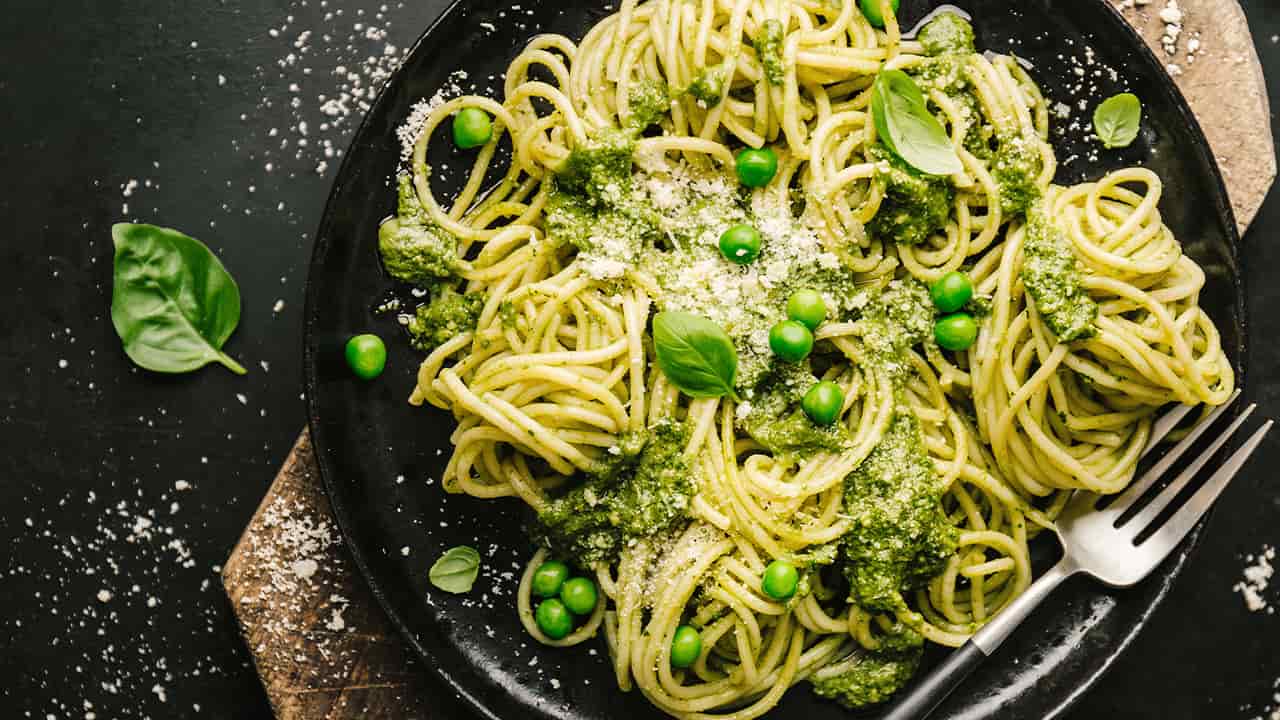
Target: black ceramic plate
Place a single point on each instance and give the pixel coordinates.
(379, 457)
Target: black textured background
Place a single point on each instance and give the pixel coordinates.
(183, 98)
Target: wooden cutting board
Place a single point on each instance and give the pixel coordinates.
(324, 648)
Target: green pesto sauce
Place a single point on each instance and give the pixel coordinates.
(648, 101)
(592, 205)
(570, 218)
(448, 315)
(819, 555)
(769, 49)
(1016, 169)
(895, 321)
(641, 490)
(900, 536)
(418, 254)
(978, 306)
(574, 219)
(915, 205)
(414, 249)
(601, 167)
(408, 207)
(874, 679)
(509, 315)
(980, 134)
(947, 34)
(776, 421)
(901, 317)
(1014, 159)
(948, 74)
(708, 85)
(1051, 273)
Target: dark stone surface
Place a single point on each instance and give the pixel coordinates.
(100, 92)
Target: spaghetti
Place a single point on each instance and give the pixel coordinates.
(620, 177)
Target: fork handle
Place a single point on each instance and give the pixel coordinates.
(929, 692)
(933, 688)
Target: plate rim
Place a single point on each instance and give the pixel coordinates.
(346, 522)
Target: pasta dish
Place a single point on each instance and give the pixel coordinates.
(771, 313)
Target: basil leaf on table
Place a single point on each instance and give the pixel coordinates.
(173, 304)
(695, 354)
(456, 570)
(1117, 119)
(906, 126)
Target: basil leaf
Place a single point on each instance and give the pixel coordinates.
(695, 354)
(173, 304)
(1117, 119)
(906, 126)
(456, 570)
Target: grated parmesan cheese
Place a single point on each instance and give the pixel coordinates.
(1256, 578)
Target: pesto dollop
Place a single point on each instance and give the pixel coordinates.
(593, 206)
(900, 536)
(915, 205)
(708, 85)
(896, 320)
(642, 489)
(877, 675)
(1051, 273)
(418, 254)
(617, 228)
(775, 420)
(414, 249)
(602, 166)
(1016, 168)
(648, 100)
(768, 45)
(449, 314)
(408, 207)
(947, 34)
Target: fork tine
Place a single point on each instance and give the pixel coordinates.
(1169, 421)
(1168, 536)
(1162, 500)
(1149, 478)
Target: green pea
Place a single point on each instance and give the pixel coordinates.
(554, 619)
(367, 356)
(780, 580)
(740, 244)
(686, 646)
(823, 403)
(791, 340)
(756, 167)
(956, 331)
(806, 306)
(579, 595)
(471, 128)
(951, 291)
(871, 10)
(548, 578)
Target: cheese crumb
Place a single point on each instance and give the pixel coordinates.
(1256, 578)
(305, 568)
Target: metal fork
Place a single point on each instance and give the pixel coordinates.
(1107, 543)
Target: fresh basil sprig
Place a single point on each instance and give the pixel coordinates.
(456, 570)
(906, 126)
(1117, 119)
(173, 304)
(695, 354)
